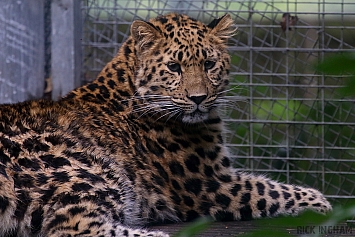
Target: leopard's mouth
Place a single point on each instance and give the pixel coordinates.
(193, 113)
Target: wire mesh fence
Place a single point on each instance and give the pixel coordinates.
(292, 123)
(21, 50)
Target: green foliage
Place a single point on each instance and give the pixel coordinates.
(195, 227)
(340, 214)
(281, 226)
(341, 64)
(338, 64)
(288, 226)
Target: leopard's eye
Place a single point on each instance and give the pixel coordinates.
(209, 64)
(174, 67)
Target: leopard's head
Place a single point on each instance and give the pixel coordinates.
(183, 65)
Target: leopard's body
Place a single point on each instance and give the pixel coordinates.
(140, 144)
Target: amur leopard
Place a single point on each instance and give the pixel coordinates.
(141, 144)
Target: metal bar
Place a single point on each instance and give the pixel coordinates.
(66, 46)
(295, 158)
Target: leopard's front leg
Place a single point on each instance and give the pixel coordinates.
(240, 196)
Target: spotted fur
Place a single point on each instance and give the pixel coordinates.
(140, 144)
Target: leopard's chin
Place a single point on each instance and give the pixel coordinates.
(195, 117)
(199, 117)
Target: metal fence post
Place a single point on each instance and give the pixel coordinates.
(21, 50)
(66, 46)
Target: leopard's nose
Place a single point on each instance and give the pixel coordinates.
(197, 99)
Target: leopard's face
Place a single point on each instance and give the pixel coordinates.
(183, 66)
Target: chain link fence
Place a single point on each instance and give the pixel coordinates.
(292, 123)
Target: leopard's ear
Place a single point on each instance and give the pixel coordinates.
(145, 34)
(223, 27)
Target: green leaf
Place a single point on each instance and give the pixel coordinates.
(280, 226)
(338, 64)
(349, 88)
(195, 227)
(341, 64)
